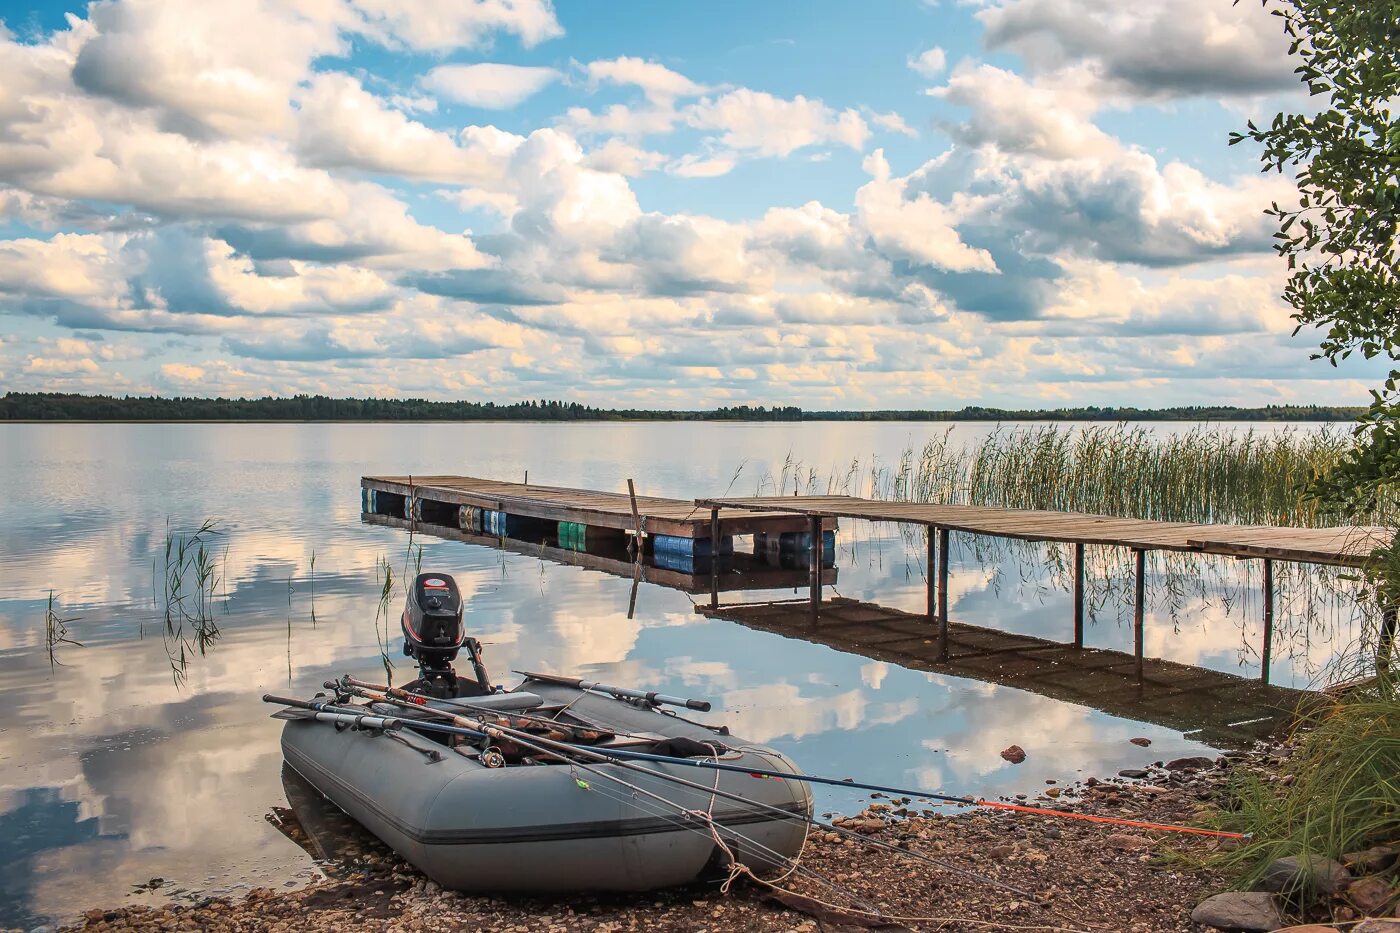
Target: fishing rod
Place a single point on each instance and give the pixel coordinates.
(558, 731)
(913, 792)
(614, 756)
(702, 706)
(350, 685)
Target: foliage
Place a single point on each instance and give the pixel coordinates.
(1340, 241)
(55, 406)
(1338, 792)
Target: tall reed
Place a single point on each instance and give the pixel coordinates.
(56, 631)
(1201, 475)
(187, 580)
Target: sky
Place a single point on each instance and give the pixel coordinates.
(834, 205)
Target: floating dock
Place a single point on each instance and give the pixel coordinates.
(736, 572)
(425, 497)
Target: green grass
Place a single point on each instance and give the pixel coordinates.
(1338, 792)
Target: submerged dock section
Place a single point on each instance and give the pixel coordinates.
(1345, 546)
(1220, 709)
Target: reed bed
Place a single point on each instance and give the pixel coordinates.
(1200, 475)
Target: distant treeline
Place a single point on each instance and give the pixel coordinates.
(52, 406)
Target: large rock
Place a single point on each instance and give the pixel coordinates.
(1369, 895)
(1368, 860)
(1254, 911)
(1014, 754)
(1194, 763)
(1304, 874)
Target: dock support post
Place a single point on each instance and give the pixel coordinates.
(1385, 645)
(943, 593)
(1266, 653)
(814, 529)
(931, 601)
(714, 558)
(1079, 595)
(1139, 608)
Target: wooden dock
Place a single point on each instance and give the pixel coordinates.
(1347, 546)
(1220, 709)
(638, 515)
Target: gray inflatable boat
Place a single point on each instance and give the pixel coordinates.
(489, 815)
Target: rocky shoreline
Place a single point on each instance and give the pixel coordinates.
(1067, 874)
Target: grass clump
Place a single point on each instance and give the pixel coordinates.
(1338, 792)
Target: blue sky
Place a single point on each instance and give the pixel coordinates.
(1005, 202)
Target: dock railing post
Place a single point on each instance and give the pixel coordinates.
(943, 593)
(636, 519)
(814, 529)
(1079, 595)
(1266, 652)
(1139, 608)
(714, 558)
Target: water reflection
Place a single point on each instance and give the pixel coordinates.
(112, 774)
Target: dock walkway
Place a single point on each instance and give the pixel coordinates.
(1345, 546)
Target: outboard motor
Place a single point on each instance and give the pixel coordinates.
(433, 633)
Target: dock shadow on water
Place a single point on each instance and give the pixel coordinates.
(116, 768)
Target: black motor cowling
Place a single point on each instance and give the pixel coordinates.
(433, 633)
(432, 621)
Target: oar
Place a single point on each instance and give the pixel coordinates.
(702, 706)
(558, 732)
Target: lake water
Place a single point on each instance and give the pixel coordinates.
(114, 771)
